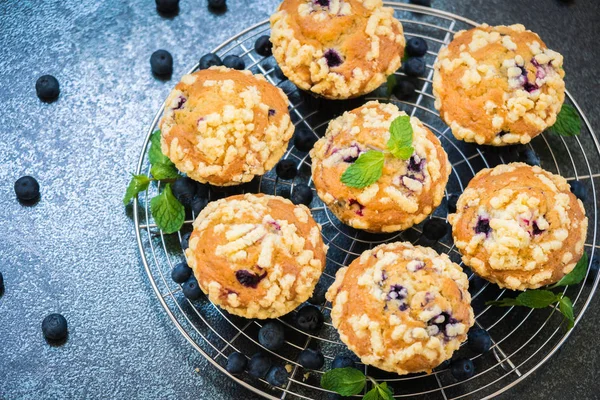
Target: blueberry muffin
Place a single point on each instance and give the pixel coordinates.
(498, 85)
(222, 126)
(519, 226)
(401, 308)
(337, 48)
(407, 191)
(256, 256)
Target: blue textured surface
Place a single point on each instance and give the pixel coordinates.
(75, 253)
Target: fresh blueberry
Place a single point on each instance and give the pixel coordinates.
(530, 157)
(309, 318)
(452, 200)
(181, 272)
(404, 89)
(435, 228)
(462, 368)
(191, 289)
(278, 73)
(167, 6)
(416, 47)
(479, 340)
(311, 359)
(161, 63)
(343, 361)
(304, 139)
(235, 62)
(277, 376)
(263, 46)
(54, 327)
(286, 169)
(426, 3)
(184, 189)
(27, 189)
(209, 60)
(47, 88)
(579, 190)
(185, 240)
(272, 335)
(318, 296)
(198, 204)
(259, 365)
(217, 5)
(414, 67)
(236, 363)
(302, 194)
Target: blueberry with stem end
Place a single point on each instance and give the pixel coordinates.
(54, 327)
(209, 60)
(462, 369)
(263, 46)
(435, 228)
(191, 289)
(416, 47)
(236, 363)
(161, 63)
(181, 272)
(304, 139)
(259, 365)
(302, 194)
(272, 335)
(414, 67)
(277, 376)
(479, 340)
(404, 89)
(27, 189)
(578, 189)
(309, 318)
(47, 88)
(311, 359)
(234, 62)
(286, 169)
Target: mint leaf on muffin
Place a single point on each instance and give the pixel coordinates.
(345, 381)
(138, 183)
(365, 171)
(168, 212)
(567, 122)
(575, 276)
(401, 138)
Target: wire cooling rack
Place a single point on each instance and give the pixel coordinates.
(523, 339)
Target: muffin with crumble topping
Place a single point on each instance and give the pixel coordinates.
(407, 191)
(255, 255)
(498, 85)
(401, 308)
(519, 226)
(337, 49)
(223, 126)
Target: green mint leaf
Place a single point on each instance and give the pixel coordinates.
(503, 303)
(167, 211)
(385, 392)
(372, 394)
(164, 171)
(155, 155)
(401, 137)
(138, 183)
(567, 122)
(344, 381)
(575, 276)
(566, 308)
(537, 298)
(391, 84)
(365, 171)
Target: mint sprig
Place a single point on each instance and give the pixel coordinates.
(541, 298)
(350, 381)
(567, 122)
(367, 169)
(168, 212)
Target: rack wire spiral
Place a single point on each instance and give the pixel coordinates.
(523, 339)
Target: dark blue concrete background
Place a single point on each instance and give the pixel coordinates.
(75, 251)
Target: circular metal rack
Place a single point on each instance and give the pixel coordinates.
(523, 339)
